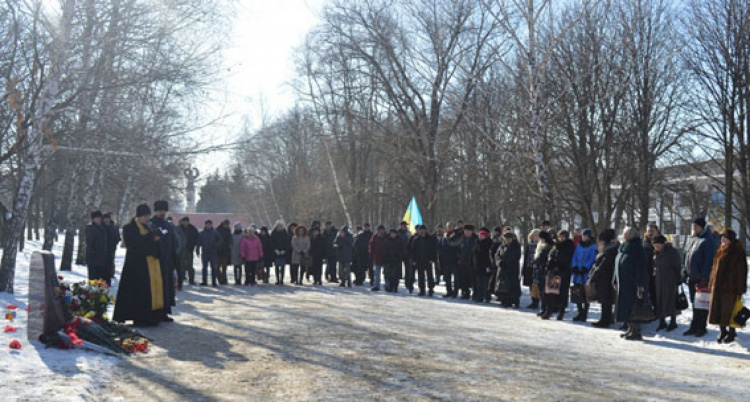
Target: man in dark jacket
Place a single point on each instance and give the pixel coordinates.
(209, 241)
(113, 239)
(448, 245)
(96, 248)
(698, 263)
(362, 257)
(166, 254)
(408, 273)
(376, 252)
(280, 240)
(190, 233)
(225, 251)
(600, 277)
(466, 261)
(345, 254)
(423, 254)
(393, 257)
(483, 268)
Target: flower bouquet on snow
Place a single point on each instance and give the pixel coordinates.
(88, 326)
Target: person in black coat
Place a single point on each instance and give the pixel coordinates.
(224, 253)
(362, 260)
(408, 273)
(113, 239)
(96, 248)
(318, 251)
(508, 260)
(191, 242)
(167, 249)
(423, 253)
(528, 266)
(482, 267)
(280, 242)
(345, 253)
(268, 254)
(601, 276)
(631, 277)
(559, 264)
(466, 259)
(393, 256)
(137, 299)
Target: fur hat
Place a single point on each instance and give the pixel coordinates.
(659, 239)
(161, 205)
(96, 214)
(468, 227)
(607, 235)
(142, 210)
(208, 221)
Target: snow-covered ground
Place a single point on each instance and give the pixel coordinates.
(308, 343)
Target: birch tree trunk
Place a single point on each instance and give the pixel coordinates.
(34, 151)
(338, 186)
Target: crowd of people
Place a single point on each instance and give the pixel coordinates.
(635, 278)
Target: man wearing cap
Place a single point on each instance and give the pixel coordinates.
(465, 267)
(167, 249)
(96, 247)
(423, 254)
(698, 263)
(208, 243)
(362, 259)
(190, 233)
(376, 252)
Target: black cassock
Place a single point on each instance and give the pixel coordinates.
(140, 296)
(166, 257)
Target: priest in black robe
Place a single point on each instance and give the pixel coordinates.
(140, 296)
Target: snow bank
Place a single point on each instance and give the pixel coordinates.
(38, 373)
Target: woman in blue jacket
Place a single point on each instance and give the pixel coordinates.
(583, 260)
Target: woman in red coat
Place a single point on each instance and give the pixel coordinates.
(728, 282)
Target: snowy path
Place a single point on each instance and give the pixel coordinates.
(307, 343)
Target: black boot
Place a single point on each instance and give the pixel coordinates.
(722, 334)
(731, 335)
(546, 314)
(534, 304)
(635, 335)
(561, 314)
(662, 325)
(672, 324)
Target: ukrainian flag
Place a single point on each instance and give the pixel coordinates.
(412, 216)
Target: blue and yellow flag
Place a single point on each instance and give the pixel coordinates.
(412, 217)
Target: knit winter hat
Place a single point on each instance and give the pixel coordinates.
(700, 221)
(659, 239)
(587, 232)
(238, 226)
(484, 233)
(142, 210)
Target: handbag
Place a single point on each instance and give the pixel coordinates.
(740, 314)
(552, 284)
(577, 294)
(642, 311)
(682, 300)
(591, 294)
(702, 298)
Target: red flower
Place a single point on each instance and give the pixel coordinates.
(11, 307)
(8, 328)
(14, 344)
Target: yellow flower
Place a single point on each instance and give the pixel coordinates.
(103, 299)
(90, 314)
